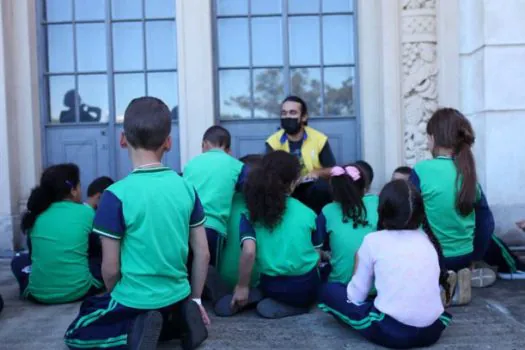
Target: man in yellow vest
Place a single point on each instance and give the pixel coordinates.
(310, 146)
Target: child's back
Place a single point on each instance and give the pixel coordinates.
(155, 206)
(59, 238)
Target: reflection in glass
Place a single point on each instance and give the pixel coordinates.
(233, 42)
(304, 41)
(86, 10)
(266, 7)
(91, 47)
(58, 10)
(337, 5)
(164, 86)
(127, 46)
(306, 83)
(161, 39)
(234, 87)
(232, 7)
(60, 48)
(303, 6)
(93, 98)
(126, 9)
(160, 8)
(267, 47)
(58, 87)
(268, 92)
(338, 39)
(338, 91)
(127, 87)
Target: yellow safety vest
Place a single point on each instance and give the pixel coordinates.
(313, 143)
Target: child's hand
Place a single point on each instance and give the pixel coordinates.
(240, 297)
(204, 315)
(521, 224)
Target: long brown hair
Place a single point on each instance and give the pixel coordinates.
(452, 130)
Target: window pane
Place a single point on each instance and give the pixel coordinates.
(303, 6)
(58, 10)
(337, 5)
(126, 9)
(93, 90)
(233, 42)
(127, 46)
(90, 10)
(266, 7)
(232, 7)
(268, 92)
(339, 91)
(338, 39)
(164, 86)
(161, 40)
(58, 87)
(267, 46)
(306, 83)
(60, 48)
(127, 87)
(304, 41)
(234, 87)
(160, 8)
(91, 47)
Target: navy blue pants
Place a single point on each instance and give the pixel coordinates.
(215, 245)
(22, 260)
(376, 326)
(103, 323)
(299, 291)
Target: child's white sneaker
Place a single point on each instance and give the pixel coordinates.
(483, 277)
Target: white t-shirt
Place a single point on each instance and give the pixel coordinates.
(406, 270)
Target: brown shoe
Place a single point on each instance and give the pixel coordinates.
(463, 290)
(452, 282)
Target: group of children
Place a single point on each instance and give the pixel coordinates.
(147, 247)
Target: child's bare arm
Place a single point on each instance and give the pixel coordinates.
(110, 261)
(201, 259)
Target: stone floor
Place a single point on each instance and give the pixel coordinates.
(494, 320)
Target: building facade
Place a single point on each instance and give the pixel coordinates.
(371, 71)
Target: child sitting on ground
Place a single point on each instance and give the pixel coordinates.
(345, 222)
(147, 222)
(95, 190)
(280, 232)
(57, 269)
(404, 261)
(402, 173)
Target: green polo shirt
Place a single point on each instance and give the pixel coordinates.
(229, 263)
(344, 239)
(150, 212)
(59, 239)
(215, 175)
(437, 181)
(290, 248)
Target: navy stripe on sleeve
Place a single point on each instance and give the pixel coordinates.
(414, 179)
(109, 218)
(197, 217)
(246, 229)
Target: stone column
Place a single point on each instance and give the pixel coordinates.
(419, 74)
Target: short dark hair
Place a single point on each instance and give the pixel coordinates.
(367, 170)
(405, 170)
(218, 136)
(297, 99)
(252, 159)
(99, 185)
(147, 123)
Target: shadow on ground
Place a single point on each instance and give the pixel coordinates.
(494, 320)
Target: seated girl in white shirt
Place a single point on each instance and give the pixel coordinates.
(404, 261)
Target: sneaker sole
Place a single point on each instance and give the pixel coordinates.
(151, 332)
(452, 282)
(272, 309)
(483, 277)
(196, 332)
(463, 293)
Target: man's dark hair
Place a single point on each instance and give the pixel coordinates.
(297, 99)
(99, 185)
(218, 136)
(147, 123)
(405, 170)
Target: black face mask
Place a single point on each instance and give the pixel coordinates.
(291, 126)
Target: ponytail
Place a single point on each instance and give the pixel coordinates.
(268, 186)
(348, 187)
(56, 184)
(466, 180)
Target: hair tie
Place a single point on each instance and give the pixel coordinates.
(337, 171)
(353, 172)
